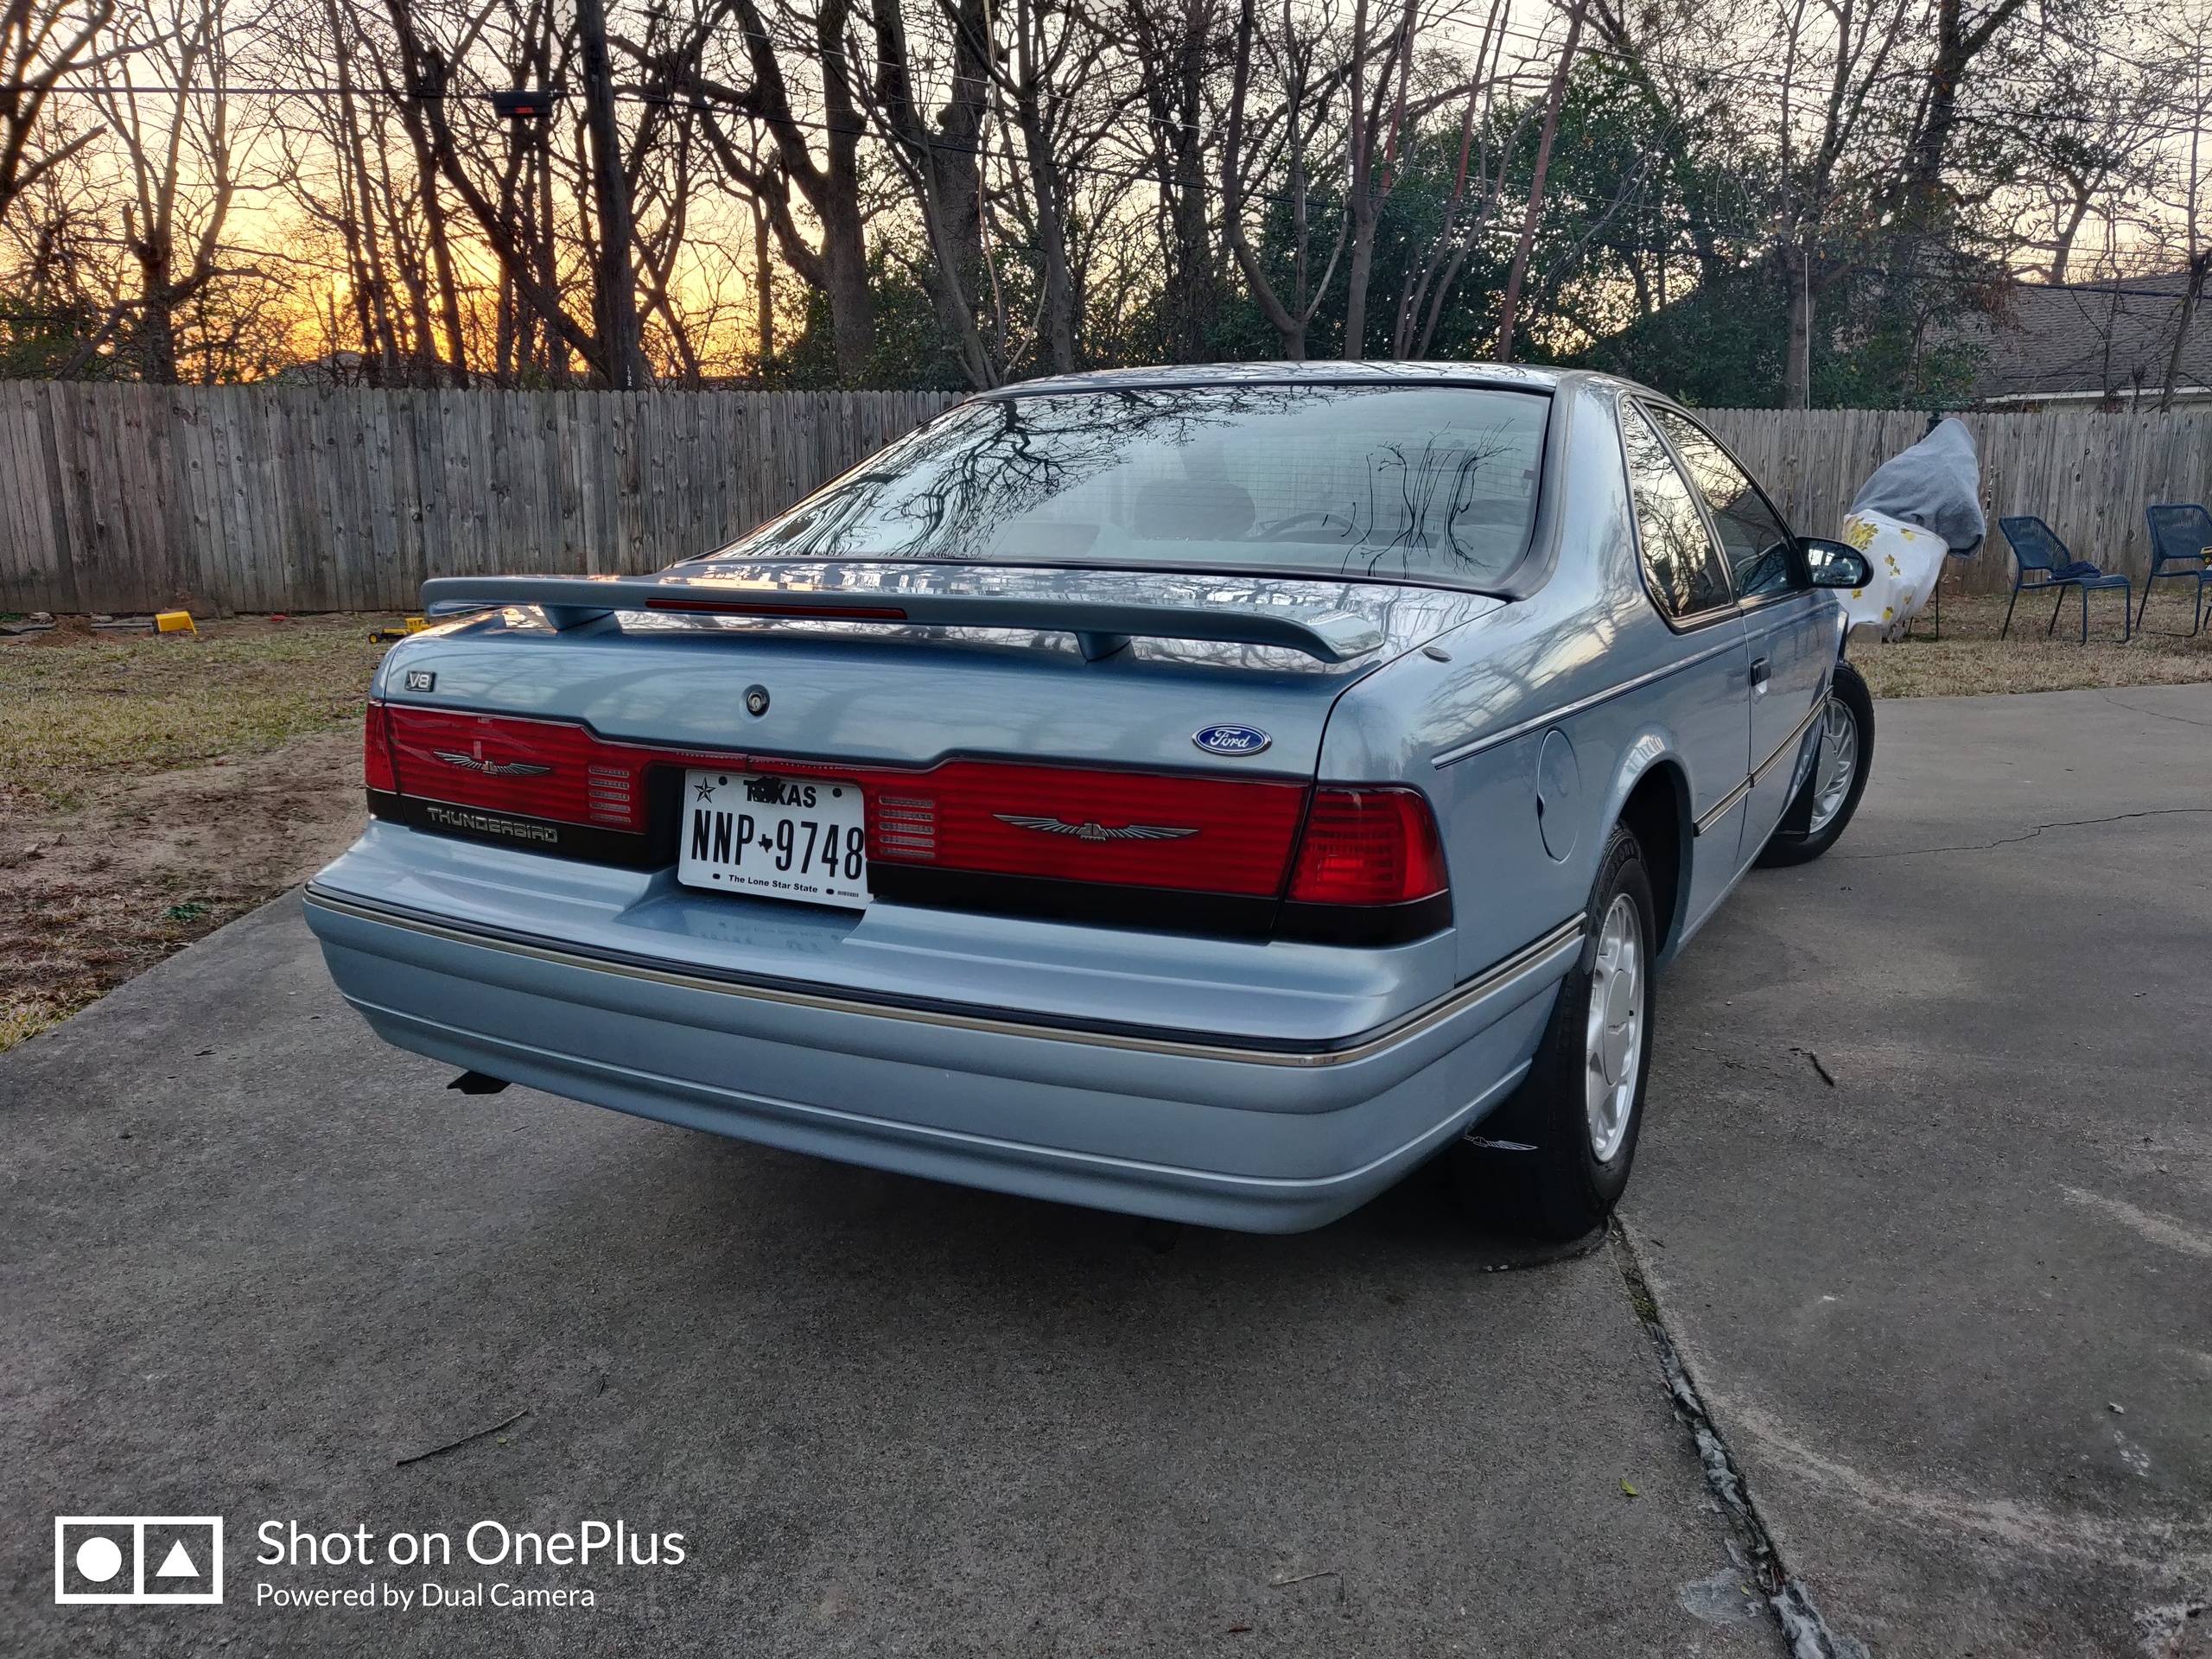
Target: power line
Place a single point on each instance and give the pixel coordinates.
(1750, 230)
(929, 64)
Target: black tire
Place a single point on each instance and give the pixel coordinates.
(1542, 1175)
(1795, 841)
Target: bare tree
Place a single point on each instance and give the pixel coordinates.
(1477, 184)
(1369, 133)
(451, 141)
(2091, 146)
(1280, 142)
(2190, 44)
(442, 190)
(1844, 49)
(181, 159)
(1174, 48)
(2072, 114)
(941, 160)
(1924, 195)
(757, 91)
(41, 43)
(1055, 56)
(1056, 101)
(1552, 99)
(614, 292)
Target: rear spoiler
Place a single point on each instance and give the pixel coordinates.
(1101, 627)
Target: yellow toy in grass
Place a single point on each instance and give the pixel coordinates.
(173, 622)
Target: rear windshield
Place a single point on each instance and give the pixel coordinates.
(1433, 484)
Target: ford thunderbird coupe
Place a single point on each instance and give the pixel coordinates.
(1204, 794)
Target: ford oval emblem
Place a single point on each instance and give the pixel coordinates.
(1231, 740)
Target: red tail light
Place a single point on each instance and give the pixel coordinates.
(1069, 823)
(375, 750)
(1368, 846)
(1237, 837)
(537, 768)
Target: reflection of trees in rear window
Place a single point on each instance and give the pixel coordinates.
(1432, 483)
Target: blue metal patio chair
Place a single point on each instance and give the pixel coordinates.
(2037, 547)
(2180, 534)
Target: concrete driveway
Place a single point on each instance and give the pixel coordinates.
(1954, 1312)
(1949, 1312)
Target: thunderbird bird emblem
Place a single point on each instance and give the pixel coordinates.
(490, 768)
(1091, 831)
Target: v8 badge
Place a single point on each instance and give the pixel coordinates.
(420, 679)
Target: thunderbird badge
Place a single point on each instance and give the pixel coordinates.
(492, 768)
(1090, 831)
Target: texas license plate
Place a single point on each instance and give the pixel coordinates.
(803, 838)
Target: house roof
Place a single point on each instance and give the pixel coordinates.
(2089, 339)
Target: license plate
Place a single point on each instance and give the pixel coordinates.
(803, 838)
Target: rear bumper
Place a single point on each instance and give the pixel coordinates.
(1174, 1124)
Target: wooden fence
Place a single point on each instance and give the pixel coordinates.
(267, 497)
(2087, 474)
(279, 497)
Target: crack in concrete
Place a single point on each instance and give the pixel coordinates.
(2156, 714)
(1804, 1629)
(2171, 1553)
(2026, 835)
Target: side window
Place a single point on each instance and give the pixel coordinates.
(1751, 534)
(1678, 554)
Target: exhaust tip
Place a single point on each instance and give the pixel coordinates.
(475, 1083)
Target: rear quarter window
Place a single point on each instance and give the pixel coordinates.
(1680, 563)
(1753, 535)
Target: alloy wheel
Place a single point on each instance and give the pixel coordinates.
(1614, 1042)
(1837, 766)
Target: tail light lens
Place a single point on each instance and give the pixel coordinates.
(1239, 838)
(1368, 846)
(1068, 823)
(536, 768)
(375, 750)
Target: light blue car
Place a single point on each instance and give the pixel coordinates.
(1204, 793)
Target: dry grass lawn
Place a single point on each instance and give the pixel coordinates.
(79, 710)
(151, 789)
(1970, 659)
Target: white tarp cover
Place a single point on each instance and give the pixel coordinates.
(1918, 505)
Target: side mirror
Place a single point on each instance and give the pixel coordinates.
(1836, 564)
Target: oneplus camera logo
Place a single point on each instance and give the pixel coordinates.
(155, 1559)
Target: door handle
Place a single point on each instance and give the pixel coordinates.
(1762, 670)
